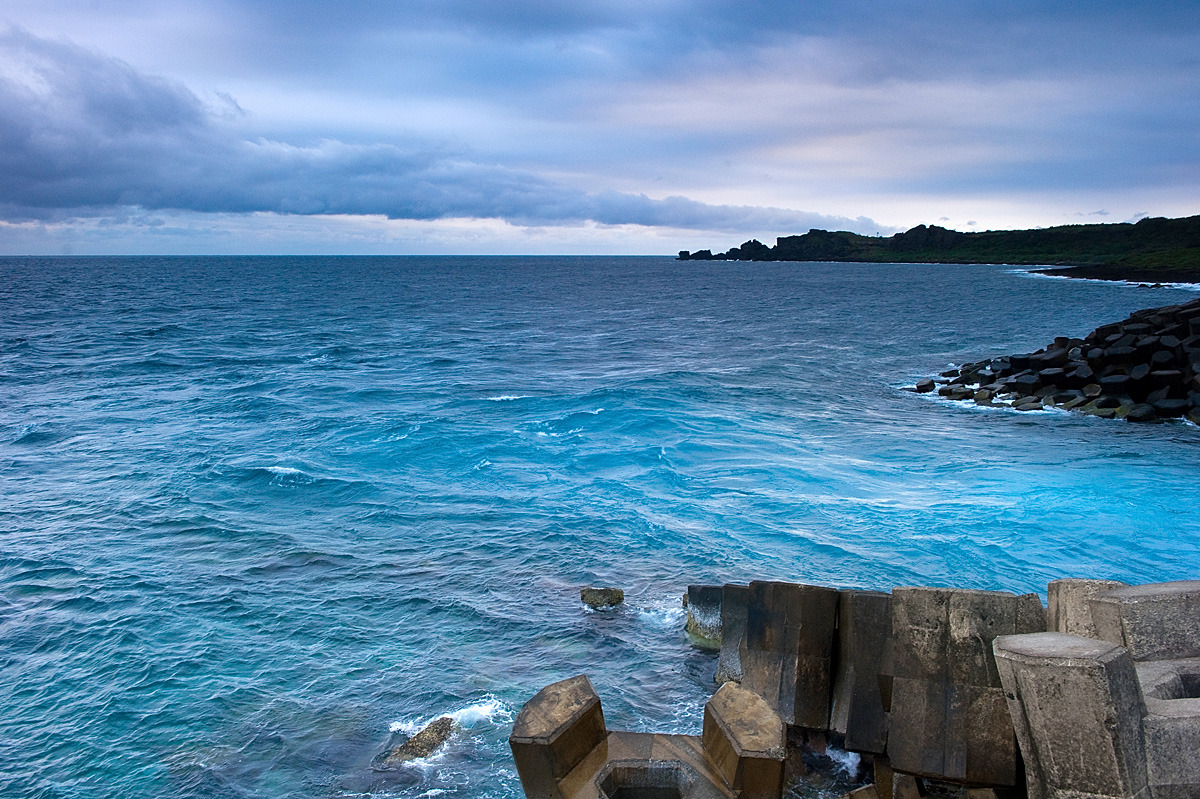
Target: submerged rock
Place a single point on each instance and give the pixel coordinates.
(601, 598)
(423, 744)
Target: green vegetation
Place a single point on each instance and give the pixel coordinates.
(1154, 249)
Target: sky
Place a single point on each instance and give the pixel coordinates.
(590, 126)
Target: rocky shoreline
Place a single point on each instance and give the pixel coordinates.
(1143, 368)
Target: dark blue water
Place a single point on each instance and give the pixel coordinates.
(259, 515)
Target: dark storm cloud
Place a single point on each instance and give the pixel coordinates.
(80, 130)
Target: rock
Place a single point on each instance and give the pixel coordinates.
(601, 598)
(423, 744)
(956, 392)
(1149, 359)
(925, 386)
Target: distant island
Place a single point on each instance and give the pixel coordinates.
(1155, 250)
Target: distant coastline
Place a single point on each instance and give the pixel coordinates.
(1152, 250)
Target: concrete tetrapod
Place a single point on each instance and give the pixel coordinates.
(562, 750)
(1076, 706)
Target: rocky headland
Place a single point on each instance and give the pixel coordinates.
(1152, 250)
(1143, 368)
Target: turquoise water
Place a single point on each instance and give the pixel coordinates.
(260, 516)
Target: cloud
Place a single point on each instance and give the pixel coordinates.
(81, 131)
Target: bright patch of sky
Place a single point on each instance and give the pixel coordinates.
(604, 126)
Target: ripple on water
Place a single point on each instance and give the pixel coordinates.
(259, 512)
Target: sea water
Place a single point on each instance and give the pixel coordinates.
(262, 517)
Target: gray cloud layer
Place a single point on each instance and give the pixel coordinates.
(81, 132)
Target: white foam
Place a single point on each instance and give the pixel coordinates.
(1126, 283)
(665, 612)
(846, 761)
(486, 710)
(283, 470)
(507, 397)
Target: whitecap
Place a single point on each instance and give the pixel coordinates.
(507, 397)
(488, 709)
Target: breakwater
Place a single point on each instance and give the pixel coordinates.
(978, 694)
(1143, 368)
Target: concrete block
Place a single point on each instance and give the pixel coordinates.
(949, 720)
(789, 649)
(1077, 709)
(884, 777)
(703, 624)
(1159, 621)
(863, 635)
(744, 737)
(907, 786)
(734, 604)
(1067, 608)
(554, 731)
(1171, 727)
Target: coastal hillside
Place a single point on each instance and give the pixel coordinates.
(1156, 249)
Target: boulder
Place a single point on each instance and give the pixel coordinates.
(423, 744)
(601, 598)
(925, 386)
(1141, 413)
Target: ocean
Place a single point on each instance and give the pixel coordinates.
(261, 517)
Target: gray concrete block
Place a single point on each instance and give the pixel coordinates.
(1171, 727)
(1076, 706)
(948, 717)
(863, 635)
(703, 624)
(734, 605)
(1067, 608)
(788, 657)
(744, 738)
(1159, 621)
(554, 731)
